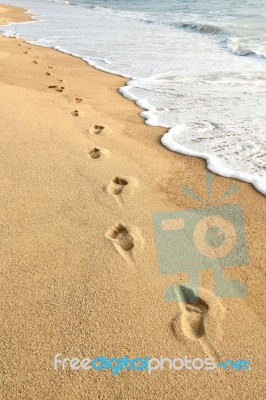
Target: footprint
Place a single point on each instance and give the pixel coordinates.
(120, 234)
(121, 188)
(198, 318)
(125, 240)
(75, 113)
(193, 314)
(117, 185)
(35, 62)
(25, 52)
(99, 129)
(78, 100)
(60, 89)
(96, 153)
(57, 88)
(47, 73)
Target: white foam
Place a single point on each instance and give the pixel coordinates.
(214, 164)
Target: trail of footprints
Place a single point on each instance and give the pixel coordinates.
(196, 318)
(120, 235)
(56, 87)
(193, 317)
(124, 238)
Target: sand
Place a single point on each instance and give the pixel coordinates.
(79, 273)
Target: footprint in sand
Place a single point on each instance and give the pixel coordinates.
(35, 62)
(75, 113)
(197, 319)
(47, 73)
(193, 315)
(78, 100)
(125, 240)
(121, 188)
(117, 185)
(25, 52)
(99, 129)
(57, 88)
(96, 153)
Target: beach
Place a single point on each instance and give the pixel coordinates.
(82, 177)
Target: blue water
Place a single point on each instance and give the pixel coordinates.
(195, 67)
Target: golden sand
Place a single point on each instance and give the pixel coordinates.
(81, 177)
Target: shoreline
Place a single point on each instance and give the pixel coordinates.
(67, 286)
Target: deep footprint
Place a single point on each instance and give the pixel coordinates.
(99, 129)
(121, 188)
(127, 241)
(75, 113)
(120, 236)
(192, 314)
(117, 185)
(95, 153)
(57, 88)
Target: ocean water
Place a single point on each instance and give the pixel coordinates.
(196, 67)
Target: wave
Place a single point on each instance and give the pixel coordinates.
(235, 47)
(204, 29)
(232, 44)
(224, 38)
(61, 2)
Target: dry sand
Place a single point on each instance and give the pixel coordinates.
(72, 281)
